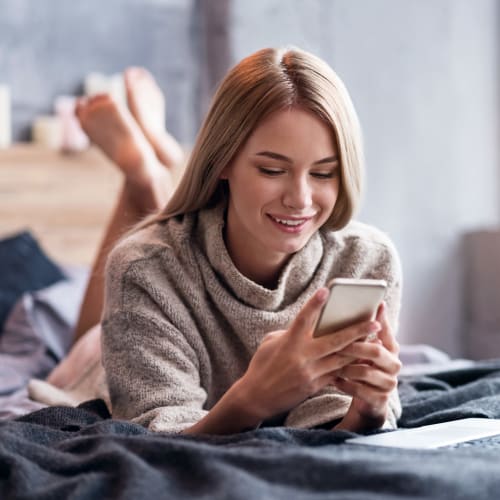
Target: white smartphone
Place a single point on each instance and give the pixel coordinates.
(350, 301)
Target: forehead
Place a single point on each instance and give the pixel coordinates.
(293, 131)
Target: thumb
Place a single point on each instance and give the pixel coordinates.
(309, 314)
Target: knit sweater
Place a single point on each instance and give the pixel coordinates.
(181, 323)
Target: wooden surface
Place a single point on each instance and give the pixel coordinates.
(64, 200)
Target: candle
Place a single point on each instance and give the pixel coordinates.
(114, 85)
(95, 83)
(5, 125)
(47, 131)
(73, 137)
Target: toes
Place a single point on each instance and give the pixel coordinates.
(133, 73)
(128, 75)
(97, 98)
(136, 75)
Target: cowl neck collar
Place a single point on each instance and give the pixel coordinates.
(294, 277)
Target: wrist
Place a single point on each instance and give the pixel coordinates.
(233, 413)
(245, 404)
(230, 415)
(349, 422)
(354, 421)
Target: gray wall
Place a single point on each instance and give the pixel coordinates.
(423, 75)
(48, 46)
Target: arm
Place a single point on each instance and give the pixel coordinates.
(152, 372)
(154, 357)
(154, 378)
(287, 368)
(231, 414)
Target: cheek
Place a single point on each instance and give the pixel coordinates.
(249, 196)
(328, 197)
(259, 192)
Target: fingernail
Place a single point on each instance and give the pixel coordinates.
(374, 327)
(322, 294)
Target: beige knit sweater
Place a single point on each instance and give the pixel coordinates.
(181, 323)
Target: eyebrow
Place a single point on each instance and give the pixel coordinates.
(277, 156)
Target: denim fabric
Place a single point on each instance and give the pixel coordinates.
(24, 267)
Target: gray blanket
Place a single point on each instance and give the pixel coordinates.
(82, 453)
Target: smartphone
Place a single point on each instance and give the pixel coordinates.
(350, 301)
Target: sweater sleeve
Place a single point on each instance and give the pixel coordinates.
(152, 368)
(392, 273)
(151, 372)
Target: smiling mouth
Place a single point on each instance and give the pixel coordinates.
(290, 224)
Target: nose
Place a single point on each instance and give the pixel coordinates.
(298, 193)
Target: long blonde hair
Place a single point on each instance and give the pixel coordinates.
(267, 81)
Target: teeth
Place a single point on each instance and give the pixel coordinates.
(289, 222)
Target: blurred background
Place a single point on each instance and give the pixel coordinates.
(423, 75)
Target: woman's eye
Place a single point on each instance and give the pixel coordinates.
(269, 171)
(324, 175)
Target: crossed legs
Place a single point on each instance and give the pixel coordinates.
(135, 140)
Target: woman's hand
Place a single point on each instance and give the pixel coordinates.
(291, 365)
(370, 378)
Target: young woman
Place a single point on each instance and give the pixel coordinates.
(210, 305)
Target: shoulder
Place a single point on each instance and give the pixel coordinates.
(161, 241)
(359, 234)
(366, 247)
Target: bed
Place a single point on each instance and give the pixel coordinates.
(64, 452)
(82, 453)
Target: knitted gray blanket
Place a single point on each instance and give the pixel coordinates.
(82, 453)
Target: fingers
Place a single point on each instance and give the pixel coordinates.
(386, 334)
(377, 380)
(379, 368)
(376, 353)
(370, 395)
(338, 341)
(375, 377)
(330, 365)
(309, 314)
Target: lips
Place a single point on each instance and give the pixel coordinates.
(289, 224)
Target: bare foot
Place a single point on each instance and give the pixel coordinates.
(147, 104)
(112, 128)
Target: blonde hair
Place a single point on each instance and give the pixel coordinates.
(267, 81)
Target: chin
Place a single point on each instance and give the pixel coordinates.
(291, 248)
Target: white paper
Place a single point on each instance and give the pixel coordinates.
(435, 435)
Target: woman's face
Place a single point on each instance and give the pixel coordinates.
(283, 186)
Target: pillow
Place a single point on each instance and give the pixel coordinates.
(38, 331)
(24, 267)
